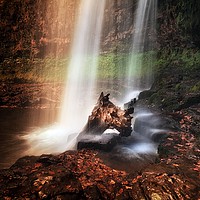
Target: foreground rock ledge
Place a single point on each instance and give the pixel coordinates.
(83, 175)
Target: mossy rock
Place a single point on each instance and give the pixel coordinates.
(146, 94)
(170, 103)
(155, 98)
(195, 88)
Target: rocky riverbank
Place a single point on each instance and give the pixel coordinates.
(84, 174)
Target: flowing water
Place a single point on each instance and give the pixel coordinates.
(81, 79)
(140, 149)
(81, 74)
(139, 73)
(139, 76)
(81, 82)
(79, 95)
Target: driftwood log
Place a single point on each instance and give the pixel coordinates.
(106, 115)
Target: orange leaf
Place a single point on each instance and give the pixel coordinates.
(112, 182)
(37, 165)
(125, 182)
(196, 169)
(176, 165)
(51, 172)
(134, 180)
(120, 192)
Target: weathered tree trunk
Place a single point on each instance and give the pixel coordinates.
(106, 115)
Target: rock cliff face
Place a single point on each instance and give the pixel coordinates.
(33, 28)
(118, 25)
(36, 28)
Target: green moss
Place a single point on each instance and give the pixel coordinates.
(178, 87)
(109, 66)
(155, 98)
(195, 88)
(115, 65)
(170, 103)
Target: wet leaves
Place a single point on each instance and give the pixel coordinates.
(197, 167)
(84, 174)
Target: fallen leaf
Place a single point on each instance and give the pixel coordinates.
(37, 165)
(128, 187)
(125, 182)
(196, 169)
(119, 192)
(112, 182)
(51, 172)
(176, 165)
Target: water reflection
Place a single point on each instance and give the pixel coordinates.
(14, 124)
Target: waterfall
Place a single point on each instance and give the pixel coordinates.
(81, 74)
(81, 80)
(79, 94)
(139, 74)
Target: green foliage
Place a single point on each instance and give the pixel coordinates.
(190, 59)
(188, 15)
(187, 59)
(110, 66)
(183, 15)
(115, 65)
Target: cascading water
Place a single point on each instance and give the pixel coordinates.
(139, 77)
(142, 143)
(80, 84)
(139, 68)
(79, 95)
(81, 75)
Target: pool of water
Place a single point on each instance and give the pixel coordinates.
(17, 122)
(34, 132)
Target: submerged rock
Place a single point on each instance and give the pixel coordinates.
(105, 142)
